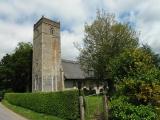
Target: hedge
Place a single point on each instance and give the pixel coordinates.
(61, 104)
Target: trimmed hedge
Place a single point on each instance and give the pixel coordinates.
(61, 104)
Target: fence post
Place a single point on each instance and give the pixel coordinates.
(82, 116)
(105, 107)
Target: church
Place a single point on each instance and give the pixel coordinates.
(49, 71)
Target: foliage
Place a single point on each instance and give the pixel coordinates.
(1, 94)
(104, 39)
(111, 50)
(132, 63)
(139, 91)
(31, 115)
(61, 104)
(149, 94)
(155, 57)
(137, 76)
(123, 110)
(16, 69)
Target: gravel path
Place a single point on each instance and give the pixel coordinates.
(6, 114)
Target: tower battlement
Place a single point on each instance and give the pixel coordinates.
(46, 20)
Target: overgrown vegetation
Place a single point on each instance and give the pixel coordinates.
(64, 104)
(112, 51)
(121, 109)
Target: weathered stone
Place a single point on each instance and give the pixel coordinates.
(47, 72)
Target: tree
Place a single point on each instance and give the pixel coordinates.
(132, 63)
(5, 72)
(155, 57)
(137, 76)
(105, 39)
(16, 68)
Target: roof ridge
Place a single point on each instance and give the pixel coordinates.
(69, 61)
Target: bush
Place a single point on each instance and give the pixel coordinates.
(1, 95)
(140, 92)
(2, 92)
(122, 110)
(61, 104)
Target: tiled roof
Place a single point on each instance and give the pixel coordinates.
(72, 70)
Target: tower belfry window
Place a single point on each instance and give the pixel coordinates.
(52, 31)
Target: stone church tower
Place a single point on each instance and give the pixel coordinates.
(47, 72)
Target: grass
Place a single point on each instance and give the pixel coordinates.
(93, 107)
(158, 113)
(29, 114)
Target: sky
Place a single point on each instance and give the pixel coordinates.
(17, 18)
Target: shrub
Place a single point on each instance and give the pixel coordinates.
(1, 95)
(2, 92)
(61, 104)
(140, 92)
(122, 110)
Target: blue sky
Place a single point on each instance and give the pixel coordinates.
(18, 16)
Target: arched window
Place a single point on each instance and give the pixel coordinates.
(52, 31)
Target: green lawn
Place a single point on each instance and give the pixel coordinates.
(31, 115)
(93, 107)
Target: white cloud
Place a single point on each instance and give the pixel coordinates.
(11, 34)
(67, 45)
(17, 18)
(146, 16)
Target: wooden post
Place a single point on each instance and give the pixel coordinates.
(82, 116)
(105, 107)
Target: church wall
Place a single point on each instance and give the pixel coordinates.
(37, 60)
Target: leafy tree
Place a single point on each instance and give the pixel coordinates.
(132, 63)
(139, 91)
(16, 68)
(5, 72)
(155, 57)
(105, 39)
(137, 76)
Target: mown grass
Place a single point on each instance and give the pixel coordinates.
(29, 114)
(93, 107)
